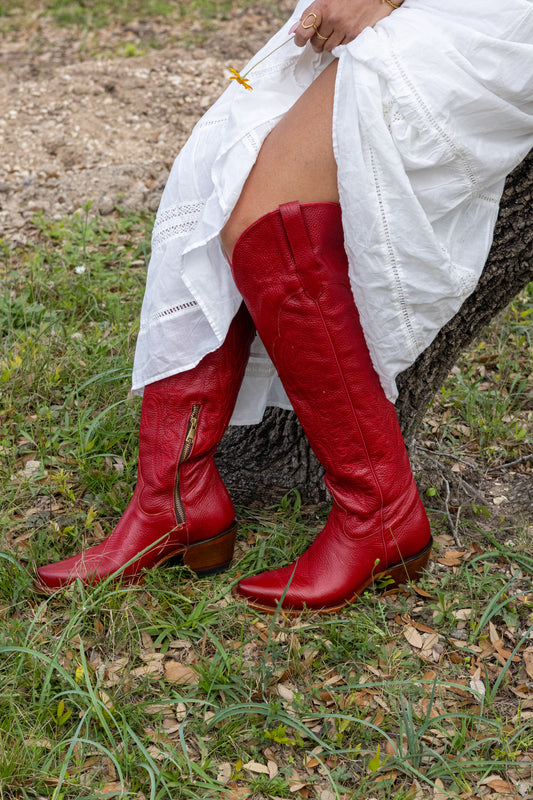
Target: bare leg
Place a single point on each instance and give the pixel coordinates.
(296, 161)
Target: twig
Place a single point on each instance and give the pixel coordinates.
(511, 463)
(456, 527)
(451, 524)
(447, 455)
(435, 461)
(464, 483)
(474, 491)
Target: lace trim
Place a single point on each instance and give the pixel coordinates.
(176, 220)
(177, 309)
(260, 368)
(465, 278)
(444, 136)
(251, 140)
(391, 257)
(211, 121)
(275, 66)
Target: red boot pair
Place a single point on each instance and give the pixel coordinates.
(291, 268)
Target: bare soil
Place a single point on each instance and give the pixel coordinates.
(80, 122)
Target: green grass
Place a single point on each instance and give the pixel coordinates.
(93, 15)
(346, 705)
(137, 26)
(68, 314)
(490, 393)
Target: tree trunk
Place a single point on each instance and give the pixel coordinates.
(261, 463)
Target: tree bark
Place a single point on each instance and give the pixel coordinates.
(261, 463)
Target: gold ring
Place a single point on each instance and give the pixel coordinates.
(320, 35)
(313, 24)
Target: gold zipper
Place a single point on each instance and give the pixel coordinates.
(179, 509)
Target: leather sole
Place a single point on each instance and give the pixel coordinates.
(400, 573)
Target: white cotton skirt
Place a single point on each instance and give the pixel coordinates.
(433, 109)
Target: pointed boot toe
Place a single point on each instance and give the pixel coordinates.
(52, 577)
(264, 591)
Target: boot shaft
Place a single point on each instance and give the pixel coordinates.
(183, 419)
(301, 300)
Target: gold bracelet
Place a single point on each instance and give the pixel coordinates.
(390, 3)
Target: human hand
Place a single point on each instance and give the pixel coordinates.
(328, 23)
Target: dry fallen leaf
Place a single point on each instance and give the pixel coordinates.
(413, 637)
(147, 670)
(112, 789)
(272, 769)
(180, 673)
(434, 709)
(114, 671)
(438, 792)
(429, 642)
(170, 725)
(255, 766)
(156, 753)
(497, 784)
(421, 592)
(157, 708)
(285, 693)
(224, 773)
(476, 683)
(334, 679)
(528, 661)
(423, 628)
(239, 793)
(452, 558)
(463, 613)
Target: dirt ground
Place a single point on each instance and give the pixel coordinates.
(80, 122)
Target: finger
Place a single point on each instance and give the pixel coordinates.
(334, 40)
(306, 29)
(319, 41)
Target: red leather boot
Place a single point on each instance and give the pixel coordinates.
(300, 299)
(180, 506)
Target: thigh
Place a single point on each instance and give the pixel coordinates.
(296, 161)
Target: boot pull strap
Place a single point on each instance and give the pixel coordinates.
(304, 257)
(313, 222)
(297, 234)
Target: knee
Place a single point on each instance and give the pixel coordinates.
(243, 215)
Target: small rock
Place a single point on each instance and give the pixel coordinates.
(134, 200)
(106, 205)
(498, 501)
(462, 635)
(154, 198)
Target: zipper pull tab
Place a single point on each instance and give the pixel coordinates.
(193, 424)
